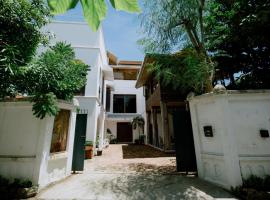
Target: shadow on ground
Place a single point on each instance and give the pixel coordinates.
(142, 151)
(150, 187)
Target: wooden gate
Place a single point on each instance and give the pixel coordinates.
(184, 145)
(79, 141)
(124, 132)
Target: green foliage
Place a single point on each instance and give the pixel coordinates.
(45, 104)
(238, 33)
(19, 183)
(253, 187)
(138, 122)
(56, 71)
(20, 22)
(3, 181)
(88, 143)
(171, 25)
(184, 71)
(55, 74)
(254, 182)
(94, 10)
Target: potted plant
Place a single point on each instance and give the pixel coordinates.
(88, 149)
(138, 122)
(98, 151)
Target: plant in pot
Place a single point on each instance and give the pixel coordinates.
(88, 149)
(138, 122)
(99, 152)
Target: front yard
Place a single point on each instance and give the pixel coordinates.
(110, 176)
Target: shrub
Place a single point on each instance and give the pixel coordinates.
(88, 143)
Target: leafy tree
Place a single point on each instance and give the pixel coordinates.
(94, 10)
(184, 71)
(238, 33)
(20, 22)
(170, 25)
(55, 74)
(138, 122)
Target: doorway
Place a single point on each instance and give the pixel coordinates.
(124, 132)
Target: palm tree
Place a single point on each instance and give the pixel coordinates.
(139, 122)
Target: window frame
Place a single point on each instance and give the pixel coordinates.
(125, 101)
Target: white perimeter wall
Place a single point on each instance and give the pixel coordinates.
(25, 144)
(236, 150)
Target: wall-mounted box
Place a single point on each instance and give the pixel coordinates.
(208, 131)
(264, 133)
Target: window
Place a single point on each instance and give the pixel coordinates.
(125, 74)
(108, 99)
(124, 103)
(60, 131)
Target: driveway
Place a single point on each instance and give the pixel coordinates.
(111, 177)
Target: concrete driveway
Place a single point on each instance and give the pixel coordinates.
(111, 177)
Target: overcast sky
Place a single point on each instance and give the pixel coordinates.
(121, 32)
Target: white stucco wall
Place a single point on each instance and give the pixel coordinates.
(236, 150)
(25, 144)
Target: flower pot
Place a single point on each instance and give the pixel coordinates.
(99, 153)
(88, 152)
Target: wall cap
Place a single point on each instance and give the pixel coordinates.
(230, 92)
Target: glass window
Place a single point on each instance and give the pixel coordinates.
(124, 103)
(108, 99)
(60, 131)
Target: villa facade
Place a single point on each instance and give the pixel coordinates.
(89, 47)
(124, 102)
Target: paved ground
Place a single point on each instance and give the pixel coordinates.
(111, 177)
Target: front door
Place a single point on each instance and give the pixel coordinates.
(184, 145)
(79, 141)
(124, 132)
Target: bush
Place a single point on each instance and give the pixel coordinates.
(55, 74)
(88, 143)
(20, 34)
(253, 188)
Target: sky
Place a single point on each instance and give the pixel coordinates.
(121, 32)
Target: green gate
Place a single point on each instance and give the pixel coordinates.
(79, 141)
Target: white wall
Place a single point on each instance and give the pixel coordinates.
(237, 150)
(25, 144)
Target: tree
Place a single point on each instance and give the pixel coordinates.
(170, 25)
(238, 33)
(138, 122)
(94, 10)
(20, 22)
(55, 74)
(184, 71)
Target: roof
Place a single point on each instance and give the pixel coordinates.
(144, 74)
(112, 58)
(128, 62)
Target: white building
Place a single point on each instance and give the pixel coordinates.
(124, 102)
(90, 48)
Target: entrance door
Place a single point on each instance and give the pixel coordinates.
(184, 145)
(79, 141)
(124, 132)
